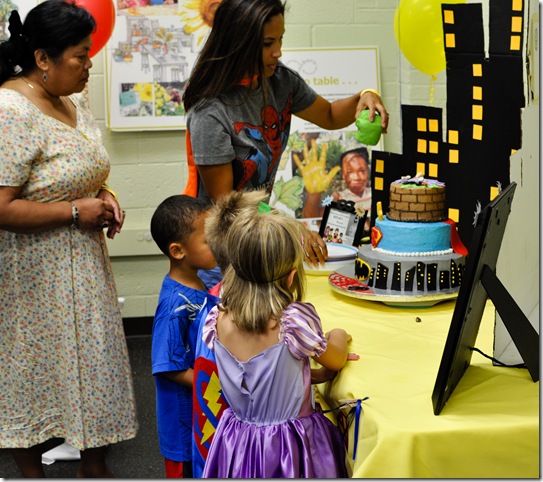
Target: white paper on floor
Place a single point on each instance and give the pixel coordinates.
(62, 452)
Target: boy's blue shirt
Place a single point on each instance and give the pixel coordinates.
(173, 349)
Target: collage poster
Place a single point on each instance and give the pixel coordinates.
(320, 166)
(148, 60)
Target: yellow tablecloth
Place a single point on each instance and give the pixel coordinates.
(489, 427)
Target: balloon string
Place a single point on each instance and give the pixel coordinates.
(433, 78)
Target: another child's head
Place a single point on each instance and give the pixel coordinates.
(221, 216)
(177, 227)
(266, 272)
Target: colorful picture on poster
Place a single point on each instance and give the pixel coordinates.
(148, 60)
(320, 166)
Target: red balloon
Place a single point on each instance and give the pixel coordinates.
(103, 12)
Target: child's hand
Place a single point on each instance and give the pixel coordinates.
(313, 168)
(321, 375)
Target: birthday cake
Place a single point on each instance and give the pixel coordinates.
(415, 249)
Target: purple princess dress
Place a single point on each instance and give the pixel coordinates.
(271, 429)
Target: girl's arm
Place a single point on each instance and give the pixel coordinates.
(218, 179)
(335, 356)
(343, 112)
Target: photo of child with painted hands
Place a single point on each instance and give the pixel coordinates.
(240, 99)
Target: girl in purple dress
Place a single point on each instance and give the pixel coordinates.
(263, 337)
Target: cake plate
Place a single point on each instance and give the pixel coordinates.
(344, 282)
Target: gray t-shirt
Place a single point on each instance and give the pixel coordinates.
(237, 128)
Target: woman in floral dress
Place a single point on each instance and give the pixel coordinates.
(64, 367)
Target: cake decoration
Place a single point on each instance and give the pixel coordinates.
(415, 249)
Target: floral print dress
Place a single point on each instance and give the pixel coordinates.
(64, 367)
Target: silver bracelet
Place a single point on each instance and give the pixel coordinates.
(75, 215)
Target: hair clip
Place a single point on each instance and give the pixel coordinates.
(263, 208)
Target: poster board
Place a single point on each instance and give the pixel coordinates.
(149, 57)
(335, 73)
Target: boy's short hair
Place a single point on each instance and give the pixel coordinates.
(173, 220)
(221, 216)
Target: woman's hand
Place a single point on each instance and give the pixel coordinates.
(315, 250)
(370, 100)
(115, 224)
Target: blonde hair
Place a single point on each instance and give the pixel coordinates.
(221, 216)
(263, 248)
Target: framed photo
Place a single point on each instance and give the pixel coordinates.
(341, 224)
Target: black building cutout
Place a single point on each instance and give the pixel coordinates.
(484, 100)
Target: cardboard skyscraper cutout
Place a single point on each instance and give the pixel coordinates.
(484, 101)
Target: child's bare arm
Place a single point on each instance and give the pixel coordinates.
(321, 375)
(335, 356)
(183, 377)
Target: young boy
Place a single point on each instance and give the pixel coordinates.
(177, 226)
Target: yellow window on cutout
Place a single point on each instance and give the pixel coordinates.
(433, 125)
(477, 70)
(450, 40)
(516, 24)
(477, 92)
(453, 137)
(477, 132)
(494, 191)
(421, 124)
(477, 112)
(378, 184)
(453, 156)
(421, 146)
(448, 16)
(515, 43)
(379, 165)
(454, 214)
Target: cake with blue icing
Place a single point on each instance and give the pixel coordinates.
(415, 248)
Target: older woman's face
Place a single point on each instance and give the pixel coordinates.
(355, 173)
(70, 73)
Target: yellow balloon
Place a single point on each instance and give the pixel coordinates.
(419, 33)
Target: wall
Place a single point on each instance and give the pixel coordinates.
(149, 166)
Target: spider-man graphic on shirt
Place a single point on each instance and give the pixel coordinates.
(259, 167)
